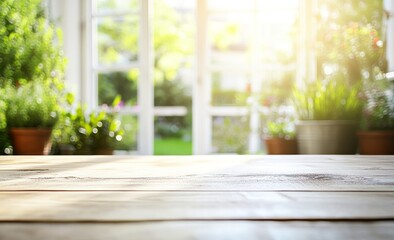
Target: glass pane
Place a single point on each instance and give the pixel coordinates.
(276, 87)
(351, 38)
(117, 40)
(174, 43)
(230, 134)
(113, 84)
(278, 36)
(105, 6)
(229, 89)
(172, 136)
(229, 38)
(230, 5)
(278, 4)
(129, 124)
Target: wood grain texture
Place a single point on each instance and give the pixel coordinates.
(157, 206)
(199, 173)
(214, 230)
(197, 197)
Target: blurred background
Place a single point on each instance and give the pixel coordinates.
(201, 76)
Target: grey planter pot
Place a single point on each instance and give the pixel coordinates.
(327, 137)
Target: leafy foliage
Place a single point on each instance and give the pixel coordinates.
(3, 107)
(281, 129)
(113, 84)
(332, 99)
(33, 104)
(87, 133)
(4, 138)
(172, 93)
(106, 131)
(378, 111)
(130, 129)
(29, 52)
(27, 47)
(279, 123)
(350, 38)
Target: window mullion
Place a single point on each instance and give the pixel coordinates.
(254, 138)
(145, 85)
(201, 118)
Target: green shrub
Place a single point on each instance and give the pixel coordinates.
(33, 104)
(27, 47)
(106, 131)
(173, 93)
(378, 112)
(4, 138)
(84, 132)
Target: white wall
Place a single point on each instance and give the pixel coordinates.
(67, 15)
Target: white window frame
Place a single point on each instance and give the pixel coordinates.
(144, 110)
(77, 47)
(203, 112)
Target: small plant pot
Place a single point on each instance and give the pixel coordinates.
(66, 149)
(376, 142)
(31, 141)
(83, 151)
(281, 146)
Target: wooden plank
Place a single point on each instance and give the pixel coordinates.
(166, 165)
(367, 159)
(198, 197)
(147, 206)
(199, 230)
(200, 173)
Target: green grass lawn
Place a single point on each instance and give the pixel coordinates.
(172, 146)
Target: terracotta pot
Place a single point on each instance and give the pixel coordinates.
(104, 151)
(281, 146)
(31, 141)
(376, 142)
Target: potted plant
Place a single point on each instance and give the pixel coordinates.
(329, 113)
(377, 129)
(30, 52)
(72, 134)
(64, 135)
(106, 132)
(32, 111)
(106, 129)
(30, 44)
(279, 133)
(83, 134)
(4, 139)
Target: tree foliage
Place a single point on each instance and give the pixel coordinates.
(351, 37)
(27, 47)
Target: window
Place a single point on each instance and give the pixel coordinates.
(234, 62)
(226, 55)
(248, 46)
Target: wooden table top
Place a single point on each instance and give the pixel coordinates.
(197, 197)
